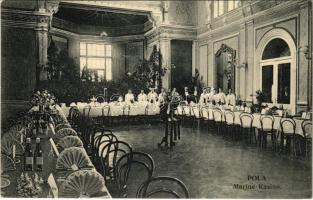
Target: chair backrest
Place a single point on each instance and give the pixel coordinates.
(306, 126)
(101, 140)
(196, 111)
(229, 117)
(100, 99)
(205, 112)
(72, 111)
(86, 127)
(110, 154)
(76, 116)
(114, 97)
(106, 110)
(187, 110)
(163, 187)
(246, 120)
(130, 172)
(86, 110)
(126, 110)
(288, 125)
(267, 122)
(217, 115)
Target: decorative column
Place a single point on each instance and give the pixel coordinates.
(240, 69)
(43, 25)
(211, 63)
(303, 90)
(194, 56)
(42, 44)
(165, 49)
(249, 52)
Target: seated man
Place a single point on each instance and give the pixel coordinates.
(209, 94)
(152, 96)
(220, 97)
(230, 98)
(142, 97)
(162, 96)
(120, 100)
(129, 97)
(195, 93)
(186, 93)
(203, 97)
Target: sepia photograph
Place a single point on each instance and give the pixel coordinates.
(199, 99)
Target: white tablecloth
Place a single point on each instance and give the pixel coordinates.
(119, 109)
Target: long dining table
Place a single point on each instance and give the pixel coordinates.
(194, 110)
(49, 167)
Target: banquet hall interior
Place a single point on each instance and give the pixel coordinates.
(156, 99)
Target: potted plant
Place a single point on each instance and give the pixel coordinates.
(259, 99)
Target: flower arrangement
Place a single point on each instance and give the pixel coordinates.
(29, 185)
(43, 98)
(259, 96)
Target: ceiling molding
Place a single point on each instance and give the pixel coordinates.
(138, 6)
(105, 9)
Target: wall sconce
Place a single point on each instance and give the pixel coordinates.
(305, 51)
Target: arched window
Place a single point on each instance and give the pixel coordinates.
(276, 74)
(276, 48)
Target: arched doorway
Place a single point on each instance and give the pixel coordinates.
(275, 72)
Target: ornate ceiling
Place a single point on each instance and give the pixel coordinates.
(95, 19)
(91, 15)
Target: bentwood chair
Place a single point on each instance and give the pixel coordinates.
(163, 187)
(105, 115)
(306, 126)
(71, 113)
(131, 171)
(187, 113)
(267, 128)
(86, 110)
(205, 116)
(247, 130)
(288, 133)
(197, 114)
(109, 156)
(218, 119)
(100, 140)
(126, 112)
(230, 123)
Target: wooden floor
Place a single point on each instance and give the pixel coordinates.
(213, 167)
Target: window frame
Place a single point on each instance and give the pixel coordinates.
(225, 7)
(104, 57)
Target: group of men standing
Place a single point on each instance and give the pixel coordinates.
(211, 95)
(151, 97)
(208, 95)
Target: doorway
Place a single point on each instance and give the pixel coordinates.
(181, 59)
(275, 70)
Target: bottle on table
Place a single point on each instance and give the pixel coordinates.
(38, 156)
(28, 156)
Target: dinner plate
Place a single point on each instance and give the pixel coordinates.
(4, 182)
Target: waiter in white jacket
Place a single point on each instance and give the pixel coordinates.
(142, 97)
(129, 97)
(230, 98)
